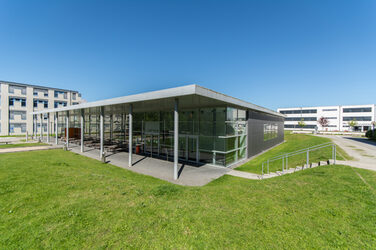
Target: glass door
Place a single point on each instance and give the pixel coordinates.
(193, 148)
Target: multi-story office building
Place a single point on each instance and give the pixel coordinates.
(338, 117)
(19, 100)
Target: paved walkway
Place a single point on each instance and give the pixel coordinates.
(361, 149)
(25, 149)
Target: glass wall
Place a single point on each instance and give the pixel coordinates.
(207, 135)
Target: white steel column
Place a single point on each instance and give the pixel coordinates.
(111, 126)
(101, 131)
(82, 131)
(67, 129)
(41, 127)
(48, 127)
(35, 131)
(56, 128)
(176, 139)
(130, 143)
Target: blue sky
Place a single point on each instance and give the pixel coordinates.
(271, 53)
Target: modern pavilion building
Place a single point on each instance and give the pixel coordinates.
(189, 124)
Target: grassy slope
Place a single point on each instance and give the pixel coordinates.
(57, 199)
(292, 143)
(18, 145)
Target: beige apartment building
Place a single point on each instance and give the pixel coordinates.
(18, 101)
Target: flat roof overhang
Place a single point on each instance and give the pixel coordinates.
(190, 96)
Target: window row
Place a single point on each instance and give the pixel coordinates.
(299, 111)
(329, 110)
(357, 118)
(355, 110)
(301, 118)
(297, 126)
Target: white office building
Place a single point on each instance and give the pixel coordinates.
(338, 117)
(18, 101)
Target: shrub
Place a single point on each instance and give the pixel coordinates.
(371, 134)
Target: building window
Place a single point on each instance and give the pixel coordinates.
(357, 110)
(45, 103)
(74, 96)
(35, 93)
(14, 99)
(299, 111)
(357, 118)
(270, 131)
(329, 110)
(58, 104)
(301, 118)
(297, 126)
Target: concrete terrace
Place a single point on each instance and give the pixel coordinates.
(188, 175)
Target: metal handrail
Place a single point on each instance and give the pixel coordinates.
(284, 157)
(303, 150)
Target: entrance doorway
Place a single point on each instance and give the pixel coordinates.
(188, 148)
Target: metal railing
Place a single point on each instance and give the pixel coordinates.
(285, 156)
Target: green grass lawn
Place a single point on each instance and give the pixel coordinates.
(58, 199)
(18, 145)
(292, 143)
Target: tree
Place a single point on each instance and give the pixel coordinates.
(352, 124)
(323, 122)
(301, 123)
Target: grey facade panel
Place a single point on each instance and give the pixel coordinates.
(256, 139)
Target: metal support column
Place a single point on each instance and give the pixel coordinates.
(56, 128)
(82, 130)
(101, 132)
(34, 127)
(67, 129)
(111, 126)
(41, 127)
(130, 142)
(48, 128)
(307, 158)
(335, 154)
(176, 139)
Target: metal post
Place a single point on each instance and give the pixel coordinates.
(176, 138)
(111, 126)
(268, 167)
(56, 128)
(287, 160)
(262, 173)
(335, 154)
(67, 130)
(307, 158)
(130, 136)
(82, 130)
(101, 132)
(48, 127)
(41, 127)
(34, 127)
(283, 163)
